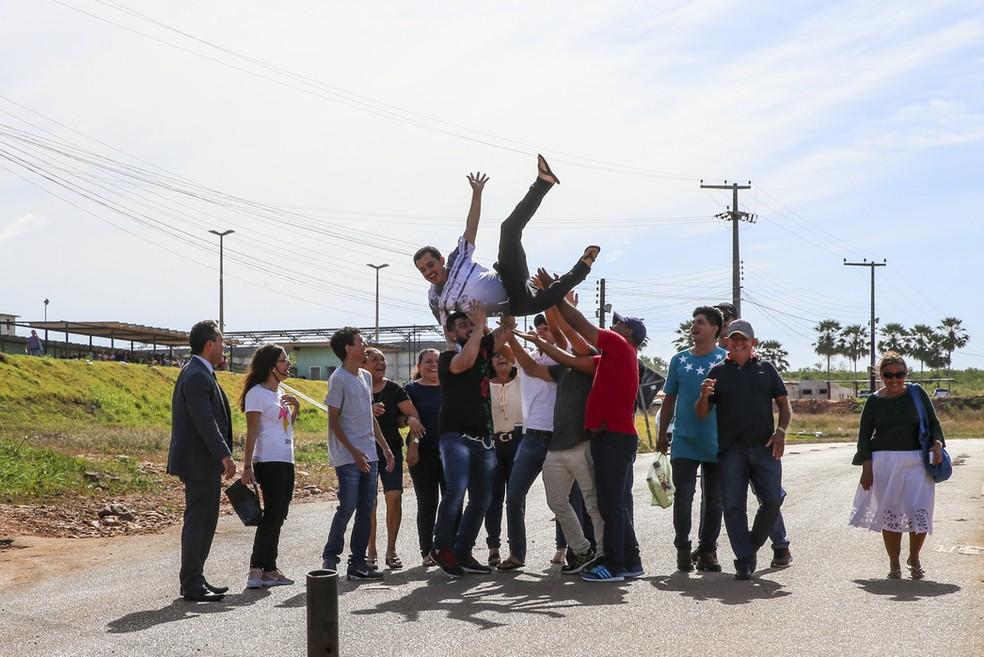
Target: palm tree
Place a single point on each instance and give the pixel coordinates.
(954, 337)
(773, 351)
(894, 338)
(684, 339)
(853, 343)
(921, 345)
(826, 344)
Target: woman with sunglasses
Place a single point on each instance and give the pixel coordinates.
(896, 494)
(268, 457)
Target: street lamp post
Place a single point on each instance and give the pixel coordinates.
(221, 290)
(377, 268)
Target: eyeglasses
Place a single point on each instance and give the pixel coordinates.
(893, 375)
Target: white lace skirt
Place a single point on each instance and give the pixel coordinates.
(901, 496)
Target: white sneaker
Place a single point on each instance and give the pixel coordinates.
(254, 580)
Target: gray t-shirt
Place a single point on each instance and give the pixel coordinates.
(352, 395)
(572, 396)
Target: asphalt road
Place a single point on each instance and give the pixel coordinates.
(834, 600)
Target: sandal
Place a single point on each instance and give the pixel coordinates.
(428, 562)
(544, 169)
(372, 563)
(511, 563)
(895, 573)
(394, 563)
(591, 254)
(915, 572)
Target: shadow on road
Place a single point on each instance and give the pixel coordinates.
(477, 599)
(902, 590)
(181, 609)
(722, 588)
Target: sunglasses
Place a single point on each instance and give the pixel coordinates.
(893, 375)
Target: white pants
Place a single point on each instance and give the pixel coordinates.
(561, 468)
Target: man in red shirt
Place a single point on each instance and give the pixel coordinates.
(610, 416)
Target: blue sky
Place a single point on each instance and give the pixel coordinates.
(860, 128)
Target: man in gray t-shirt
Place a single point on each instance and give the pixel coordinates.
(351, 431)
(351, 394)
(569, 453)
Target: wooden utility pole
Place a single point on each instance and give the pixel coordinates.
(734, 216)
(870, 265)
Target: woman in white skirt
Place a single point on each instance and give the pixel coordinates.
(896, 494)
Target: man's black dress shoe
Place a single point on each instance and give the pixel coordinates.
(203, 595)
(216, 589)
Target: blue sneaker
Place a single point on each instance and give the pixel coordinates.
(601, 574)
(633, 571)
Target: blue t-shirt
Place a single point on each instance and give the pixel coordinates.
(692, 438)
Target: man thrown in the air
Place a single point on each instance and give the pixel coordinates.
(507, 289)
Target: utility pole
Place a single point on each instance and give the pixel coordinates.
(870, 265)
(377, 268)
(734, 216)
(601, 303)
(221, 265)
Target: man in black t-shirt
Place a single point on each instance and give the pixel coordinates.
(467, 446)
(750, 445)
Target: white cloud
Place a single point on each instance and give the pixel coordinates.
(22, 225)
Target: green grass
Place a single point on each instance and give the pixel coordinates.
(31, 473)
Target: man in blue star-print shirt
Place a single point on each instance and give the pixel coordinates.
(695, 443)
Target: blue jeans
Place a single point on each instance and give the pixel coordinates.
(778, 534)
(685, 482)
(613, 454)
(356, 494)
(505, 456)
(528, 464)
(739, 466)
(468, 465)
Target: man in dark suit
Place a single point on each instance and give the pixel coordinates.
(200, 454)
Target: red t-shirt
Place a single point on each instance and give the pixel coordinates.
(611, 403)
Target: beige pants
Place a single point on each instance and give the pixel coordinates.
(561, 469)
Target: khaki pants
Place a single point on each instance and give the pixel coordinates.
(561, 469)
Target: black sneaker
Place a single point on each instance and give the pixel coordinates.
(446, 560)
(470, 565)
(361, 572)
(781, 558)
(578, 562)
(743, 571)
(708, 561)
(685, 562)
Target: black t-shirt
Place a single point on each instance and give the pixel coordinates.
(743, 395)
(390, 396)
(427, 400)
(466, 406)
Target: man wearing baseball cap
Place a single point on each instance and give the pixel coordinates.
(781, 556)
(750, 446)
(610, 416)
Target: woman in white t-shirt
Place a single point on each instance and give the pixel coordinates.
(269, 457)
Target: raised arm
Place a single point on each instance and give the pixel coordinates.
(583, 364)
(477, 181)
(530, 366)
(465, 359)
(553, 321)
(578, 322)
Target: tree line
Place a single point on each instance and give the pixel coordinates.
(930, 346)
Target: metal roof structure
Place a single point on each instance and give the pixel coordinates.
(387, 334)
(115, 331)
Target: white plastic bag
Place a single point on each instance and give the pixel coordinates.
(660, 480)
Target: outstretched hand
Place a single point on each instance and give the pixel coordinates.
(477, 181)
(544, 278)
(572, 298)
(476, 313)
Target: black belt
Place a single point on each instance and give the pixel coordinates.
(541, 432)
(504, 436)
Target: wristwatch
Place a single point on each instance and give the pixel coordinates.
(415, 441)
